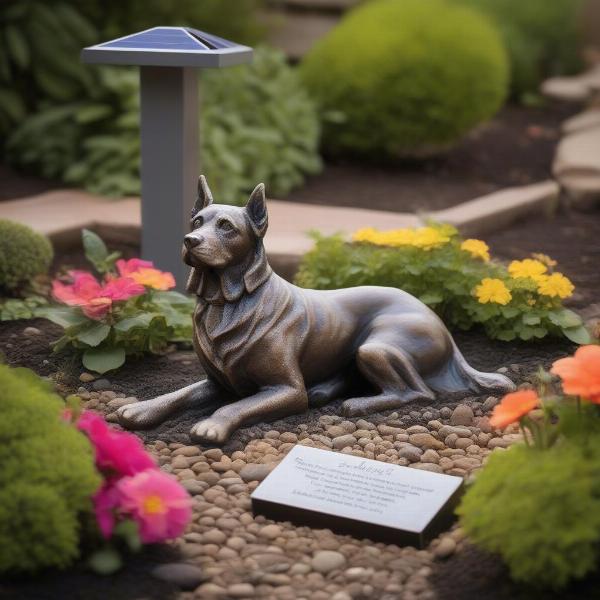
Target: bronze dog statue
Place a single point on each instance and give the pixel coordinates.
(278, 348)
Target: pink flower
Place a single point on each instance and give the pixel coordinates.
(144, 273)
(106, 501)
(94, 298)
(157, 502)
(117, 452)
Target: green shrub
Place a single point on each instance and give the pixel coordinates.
(408, 78)
(453, 277)
(258, 124)
(540, 510)
(24, 254)
(47, 476)
(541, 37)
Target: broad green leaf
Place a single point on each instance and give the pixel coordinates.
(94, 335)
(580, 335)
(95, 249)
(105, 562)
(103, 360)
(141, 320)
(565, 318)
(64, 316)
(530, 319)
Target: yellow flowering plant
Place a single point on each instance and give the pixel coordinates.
(455, 277)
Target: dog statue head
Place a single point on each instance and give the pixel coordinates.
(225, 247)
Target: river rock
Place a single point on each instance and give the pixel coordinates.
(183, 575)
(325, 561)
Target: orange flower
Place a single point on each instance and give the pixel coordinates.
(513, 407)
(580, 373)
(144, 273)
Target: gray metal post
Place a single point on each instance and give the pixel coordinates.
(169, 131)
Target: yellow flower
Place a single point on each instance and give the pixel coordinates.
(492, 290)
(527, 268)
(555, 285)
(364, 235)
(544, 258)
(424, 237)
(477, 249)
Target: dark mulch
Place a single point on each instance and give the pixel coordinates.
(515, 148)
(473, 574)
(14, 184)
(133, 582)
(571, 238)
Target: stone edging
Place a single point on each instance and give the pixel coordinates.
(61, 215)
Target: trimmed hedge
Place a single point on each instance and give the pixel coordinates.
(406, 78)
(24, 254)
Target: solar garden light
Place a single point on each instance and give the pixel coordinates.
(168, 58)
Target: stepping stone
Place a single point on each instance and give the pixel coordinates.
(578, 88)
(582, 122)
(185, 576)
(577, 167)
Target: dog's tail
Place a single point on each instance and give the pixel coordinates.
(459, 376)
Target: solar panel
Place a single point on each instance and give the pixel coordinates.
(169, 46)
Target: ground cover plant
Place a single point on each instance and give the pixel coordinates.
(129, 308)
(409, 90)
(455, 277)
(538, 503)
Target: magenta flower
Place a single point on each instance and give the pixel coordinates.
(117, 452)
(106, 502)
(94, 298)
(157, 502)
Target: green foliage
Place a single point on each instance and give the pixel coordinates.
(47, 476)
(26, 308)
(445, 277)
(540, 510)
(258, 124)
(24, 254)
(406, 78)
(541, 37)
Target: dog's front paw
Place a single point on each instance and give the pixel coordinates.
(212, 431)
(139, 415)
(356, 407)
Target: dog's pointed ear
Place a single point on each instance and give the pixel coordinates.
(204, 198)
(257, 210)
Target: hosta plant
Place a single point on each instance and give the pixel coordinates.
(537, 504)
(129, 309)
(455, 277)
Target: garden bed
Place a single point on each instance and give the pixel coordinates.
(515, 148)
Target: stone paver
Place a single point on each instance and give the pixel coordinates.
(577, 166)
(499, 209)
(61, 214)
(577, 88)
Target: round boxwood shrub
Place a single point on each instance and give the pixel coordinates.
(47, 476)
(541, 37)
(540, 510)
(406, 78)
(23, 254)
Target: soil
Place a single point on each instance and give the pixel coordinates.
(515, 148)
(19, 185)
(78, 583)
(571, 238)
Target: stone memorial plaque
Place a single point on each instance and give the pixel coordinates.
(358, 496)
